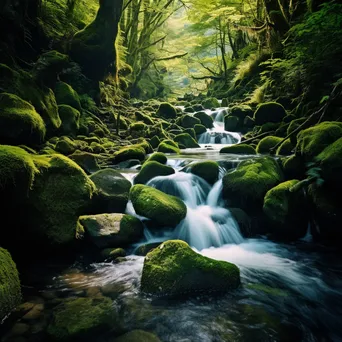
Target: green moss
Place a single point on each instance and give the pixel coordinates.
(161, 208)
(174, 269)
(10, 291)
(19, 121)
(231, 123)
(79, 318)
(190, 131)
(112, 191)
(189, 121)
(208, 170)
(152, 169)
(246, 186)
(87, 161)
(156, 131)
(265, 144)
(166, 111)
(294, 168)
(269, 112)
(70, 119)
(239, 149)
(200, 129)
(158, 157)
(65, 95)
(167, 148)
(65, 146)
(268, 127)
(285, 148)
(312, 141)
(241, 111)
(210, 103)
(189, 110)
(144, 118)
(113, 253)
(138, 129)
(292, 127)
(187, 140)
(137, 336)
(130, 152)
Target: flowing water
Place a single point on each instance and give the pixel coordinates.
(289, 292)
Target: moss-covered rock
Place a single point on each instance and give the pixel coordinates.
(112, 191)
(238, 149)
(286, 211)
(312, 141)
(130, 152)
(189, 121)
(231, 123)
(144, 118)
(137, 336)
(269, 127)
(165, 147)
(208, 170)
(210, 103)
(10, 292)
(241, 111)
(265, 144)
(113, 253)
(200, 129)
(158, 157)
(174, 269)
(65, 146)
(166, 111)
(152, 169)
(269, 112)
(77, 319)
(190, 131)
(189, 109)
(294, 168)
(285, 148)
(186, 140)
(246, 186)
(137, 129)
(157, 206)
(248, 122)
(70, 119)
(206, 120)
(294, 124)
(19, 122)
(112, 230)
(87, 161)
(66, 95)
(154, 141)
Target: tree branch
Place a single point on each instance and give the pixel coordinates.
(171, 57)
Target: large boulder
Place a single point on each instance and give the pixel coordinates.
(265, 144)
(66, 95)
(269, 112)
(238, 149)
(157, 206)
(210, 103)
(206, 120)
(186, 140)
(231, 123)
(152, 169)
(286, 211)
(246, 186)
(112, 191)
(70, 120)
(10, 292)
(174, 269)
(87, 161)
(241, 112)
(166, 111)
(189, 121)
(130, 152)
(112, 230)
(208, 170)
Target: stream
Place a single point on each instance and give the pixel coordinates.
(289, 292)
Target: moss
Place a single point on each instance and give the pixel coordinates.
(65, 146)
(206, 120)
(208, 170)
(143, 144)
(188, 121)
(129, 152)
(19, 121)
(144, 118)
(210, 103)
(10, 291)
(138, 129)
(285, 148)
(98, 148)
(174, 269)
(269, 112)
(70, 119)
(65, 95)
(87, 161)
(166, 111)
(294, 168)
(312, 141)
(137, 336)
(289, 118)
(79, 318)
(241, 111)
(161, 208)
(265, 144)
(156, 131)
(239, 149)
(281, 131)
(165, 147)
(187, 140)
(158, 157)
(292, 127)
(189, 109)
(268, 127)
(113, 253)
(286, 211)
(154, 141)
(189, 131)
(200, 129)
(112, 191)
(231, 123)
(112, 230)
(152, 169)
(246, 186)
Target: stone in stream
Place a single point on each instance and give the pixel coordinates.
(137, 336)
(112, 230)
(206, 120)
(152, 169)
(186, 140)
(208, 170)
(269, 112)
(174, 269)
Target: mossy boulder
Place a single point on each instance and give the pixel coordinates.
(87, 161)
(66, 95)
(166, 147)
(265, 144)
(174, 269)
(65, 146)
(189, 109)
(200, 129)
(10, 291)
(144, 118)
(130, 152)
(77, 319)
(246, 186)
(166, 111)
(189, 121)
(210, 103)
(206, 120)
(157, 206)
(137, 129)
(312, 141)
(239, 149)
(294, 168)
(152, 169)
(285, 148)
(286, 211)
(112, 191)
(70, 120)
(112, 230)
(158, 157)
(269, 112)
(137, 336)
(19, 122)
(208, 170)
(231, 123)
(186, 140)
(294, 124)
(190, 131)
(241, 111)
(154, 141)
(113, 253)
(269, 127)
(248, 122)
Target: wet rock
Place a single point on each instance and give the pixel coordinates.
(152, 169)
(142, 250)
(137, 336)
(112, 254)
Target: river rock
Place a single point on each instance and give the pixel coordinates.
(137, 336)
(186, 140)
(152, 169)
(112, 230)
(174, 269)
(269, 112)
(157, 206)
(206, 120)
(208, 170)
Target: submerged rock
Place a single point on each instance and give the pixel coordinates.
(174, 269)
(157, 206)
(152, 169)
